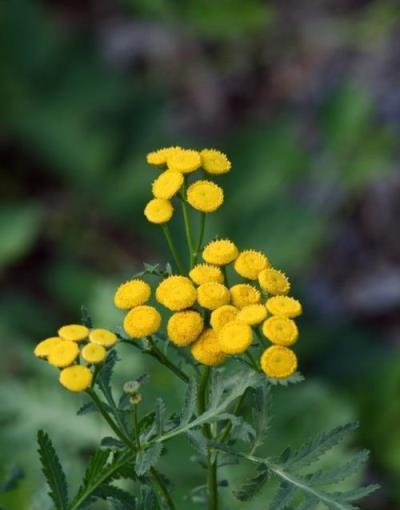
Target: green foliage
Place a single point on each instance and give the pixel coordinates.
(146, 459)
(12, 479)
(253, 486)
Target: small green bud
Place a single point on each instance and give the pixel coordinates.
(135, 399)
(131, 387)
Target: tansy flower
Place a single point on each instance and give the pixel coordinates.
(184, 327)
(184, 160)
(280, 330)
(132, 293)
(76, 378)
(252, 314)
(214, 162)
(142, 321)
(167, 184)
(222, 315)
(43, 348)
(205, 196)
(205, 273)
(212, 295)
(93, 353)
(244, 294)
(74, 332)
(284, 305)
(206, 349)
(160, 156)
(63, 354)
(250, 263)
(176, 293)
(274, 281)
(158, 210)
(235, 337)
(103, 337)
(278, 362)
(220, 252)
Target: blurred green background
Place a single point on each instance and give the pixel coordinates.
(304, 97)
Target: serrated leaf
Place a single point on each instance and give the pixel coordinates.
(340, 473)
(87, 408)
(53, 471)
(261, 415)
(110, 492)
(112, 443)
(252, 486)
(104, 376)
(147, 499)
(85, 317)
(242, 430)
(308, 504)
(283, 497)
(12, 479)
(146, 459)
(355, 494)
(217, 389)
(160, 411)
(190, 402)
(198, 442)
(295, 378)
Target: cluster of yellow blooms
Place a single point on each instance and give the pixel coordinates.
(75, 351)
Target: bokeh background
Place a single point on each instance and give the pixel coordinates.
(304, 96)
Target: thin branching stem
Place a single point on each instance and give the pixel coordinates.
(188, 226)
(201, 236)
(172, 248)
(162, 358)
(163, 489)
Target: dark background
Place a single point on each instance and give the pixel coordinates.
(304, 96)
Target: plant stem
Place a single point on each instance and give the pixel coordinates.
(172, 248)
(253, 362)
(166, 361)
(261, 337)
(224, 434)
(188, 227)
(164, 491)
(224, 272)
(135, 418)
(201, 236)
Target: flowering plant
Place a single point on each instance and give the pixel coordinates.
(228, 338)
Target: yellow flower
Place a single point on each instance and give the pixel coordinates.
(176, 293)
(160, 156)
(235, 337)
(205, 196)
(103, 337)
(167, 184)
(206, 349)
(63, 354)
(278, 362)
(215, 162)
(284, 305)
(76, 378)
(244, 294)
(220, 252)
(132, 293)
(43, 348)
(252, 314)
(221, 316)
(205, 273)
(250, 263)
(93, 353)
(280, 330)
(274, 281)
(158, 210)
(142, 321)
(184, 160)
(74, 332)
(212, 295)
(184, 327)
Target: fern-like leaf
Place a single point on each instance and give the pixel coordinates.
(340, 473)
(189, 405)
(115, 494)
(160, 411)
(253, 486)
(146, 459)
(283, 497)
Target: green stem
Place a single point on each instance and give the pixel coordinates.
(135, 417)
(225, 273)
(188, 227)
(172, 248)
(164, 491)
(166, 361)
(261, 337)
(253, 362)
(225, 433)
(201, 236)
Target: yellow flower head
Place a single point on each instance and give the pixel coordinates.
(222, 315)
(76, 378)
(215, 162)
(74, 332)
(184, 160)
(160, 156)
(213, 295)
(167, 184)
(93, 353)
(244, 294)
(184, 327)
(280, 330)
(133, 293)
(43, 348)
(220, 252)
(206, 349)
(205, 196)
(284, 305)
(63, 354)
(205, 273)
(142, 321)
(103, 337)
(159, 210)
(278, 362)
(235, 337)
(274, 281)
(250, 263)
(252, 314)
(176, 293)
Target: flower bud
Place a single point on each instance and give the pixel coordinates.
(135, 399)
(131, 387)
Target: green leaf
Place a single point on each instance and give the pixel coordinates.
(283, 497)
(112, 442)
(104, 376)
(147, 499)
(12, 479)
(85, 317)
(87, 408)
(355, 494)
(53, 471)
(308, 504)
(261, 415)
(160, 411)
(198, 442)
(295, 378)
(115, 494)
(146, 459)
(189, 405)
(342, 472)
(253, 486)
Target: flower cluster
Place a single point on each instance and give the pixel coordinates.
(75, 351)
